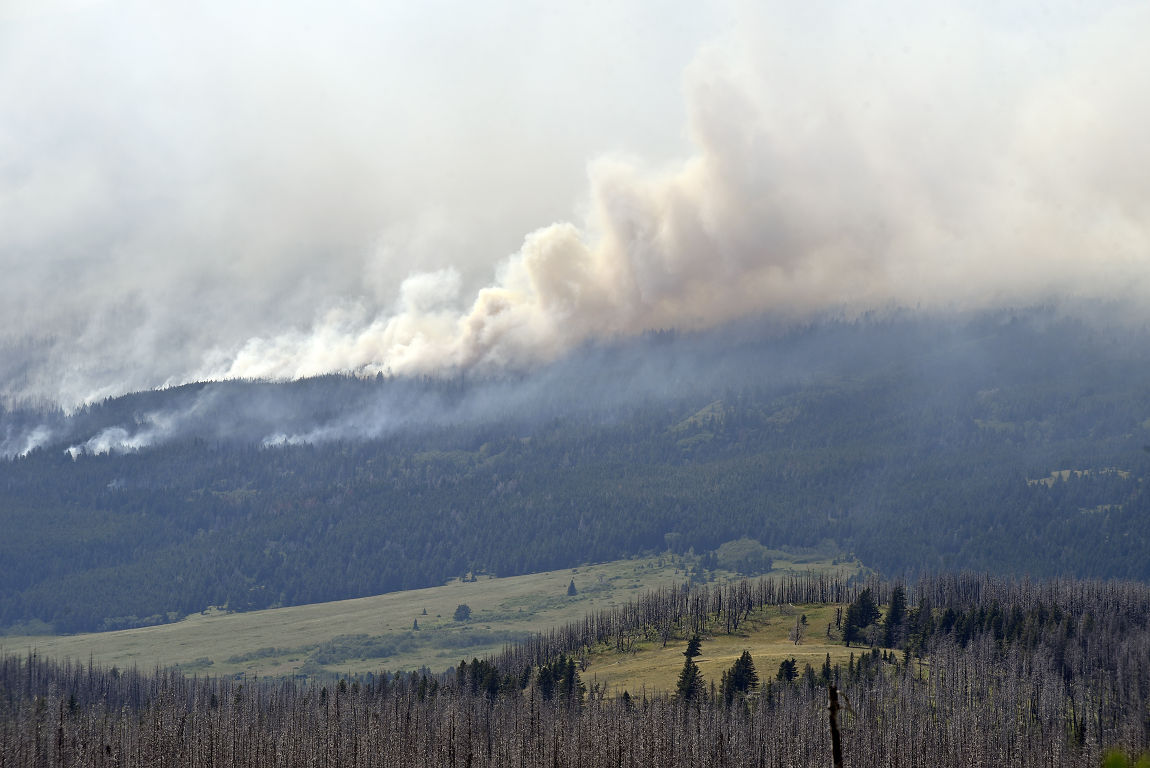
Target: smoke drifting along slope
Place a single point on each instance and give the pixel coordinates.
(842, 158)
(944, 359)
(855, 167)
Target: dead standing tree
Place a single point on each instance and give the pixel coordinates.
(836, 741)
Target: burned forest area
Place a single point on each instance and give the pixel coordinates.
(981, 671)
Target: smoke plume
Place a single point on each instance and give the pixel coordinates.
(828, 173)
(837, 158)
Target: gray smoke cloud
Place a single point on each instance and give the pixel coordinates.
(19, 442)
(864, 164)
(146, 429)
(836, 157)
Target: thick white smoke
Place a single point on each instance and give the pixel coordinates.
(847, 159)
(221, 191)
(177, 179)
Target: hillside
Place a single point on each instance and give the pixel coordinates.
(1010, 442)
(367, 634)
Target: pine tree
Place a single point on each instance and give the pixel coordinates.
(850, 626)
(740, 678)
(788, 670)
(571, 687)
(546, 683)
(690, 685)
(895, 617)
(693, 647)
(726, 689)
(860, 614)
(745, 667)
(571, 591)
(868, 612)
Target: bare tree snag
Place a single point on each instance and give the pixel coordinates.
(836, 743)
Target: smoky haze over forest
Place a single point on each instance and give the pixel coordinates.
(291, 194)
(599, 382)
(944, 358)
(1010, 441)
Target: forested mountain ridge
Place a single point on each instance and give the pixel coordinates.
(914, 443)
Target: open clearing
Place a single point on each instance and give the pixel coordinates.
(650, 667)
(311, 639)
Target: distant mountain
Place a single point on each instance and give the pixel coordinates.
(1008, 441)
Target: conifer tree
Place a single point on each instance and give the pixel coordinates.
(740, 678)
(745, 667)
(546, 683)
(895, 617)
(788, 670)
(690, 685)
(860, 614)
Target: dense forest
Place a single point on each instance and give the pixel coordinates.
(1010, 442)
(981, 671)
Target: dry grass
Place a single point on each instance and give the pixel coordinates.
(655, 668)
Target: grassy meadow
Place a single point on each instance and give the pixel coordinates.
(372, 633)
(655, 668)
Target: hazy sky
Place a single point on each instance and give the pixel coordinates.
(286, 188)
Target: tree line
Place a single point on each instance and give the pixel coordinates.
(1068, 686)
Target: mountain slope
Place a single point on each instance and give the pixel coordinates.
(912, 442)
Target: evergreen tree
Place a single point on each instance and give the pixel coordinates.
(740, 678)
(490, 682)
(895, 617)
(726, 690)
(546, 683)
(788, 670)
(475, 674)
(922, 627)
(860, 614)
(690, 685)
(868, 612)
(693, 647)
(745, 668)
(850, 627)
(571, 592)
(571, 687)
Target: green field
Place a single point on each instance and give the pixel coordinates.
(372, 633)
